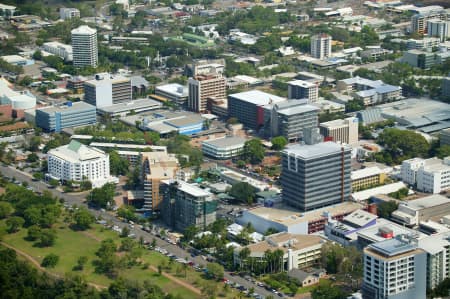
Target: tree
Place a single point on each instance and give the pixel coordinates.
(215, 270)
(47, 237)
(38, 176)
(125, 232)
(254, 151)
(34, 233)
(14, 224)
(244, 254)
(325, 290)
(117, 164)
(386, 208)
(102, 197)
(279, 142)
(83, 218)
(50, 261)
(6, 209)
(53, 183)
(81, 261)
(127, 212)
(243, 192)
(32, 158)
(107, 262)
(190, 232)
(232, 121)
(443, 151)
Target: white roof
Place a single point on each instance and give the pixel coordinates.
(426, 202)
(13, 58)
(84, 29)
(372, 233)
(76, 152)
(302, 83)
(309, 151)
(257, 97)
(174, 89)
(191, 189)
(365, 172)
(386, 189)
(360, 218)
(7, 7)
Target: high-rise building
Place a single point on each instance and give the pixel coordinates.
(84, 46)
(156, 166)
(289, 119)
(187, 205)
(341, 130)
(203, 87)
(106, 90)
(321, 46)
(300, 89)
(316, 175)
(394, 269)
(419, 22)
(438, 28)
(68, 13)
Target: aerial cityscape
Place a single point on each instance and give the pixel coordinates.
(231, 149)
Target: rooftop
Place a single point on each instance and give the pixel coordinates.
(365, 172)
(302, 83)
(67, 107)
(385, 189)
(226, 142)
(75, 152)
(191, 189)
(293, 107)
(285, 241)
(426, 202)
(174, 89)
(372, 233)
(392, 247)
(338, 122)
(257, 97)
(132, 105)
(84, 30)
(105, 79)
(311, 151)
(360, 218)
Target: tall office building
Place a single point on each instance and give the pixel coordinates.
(203, 87)
(84, 46)
(316, 175)
(106, 90)
(321, 46)
(187, 205)
(394, 269)
(156, 166)
(419, 22)
(341, 130)
(300, 89)
(438, 28)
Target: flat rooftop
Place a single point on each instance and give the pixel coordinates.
(191, 189)
(365, 172)
(66, 108)
(302, 83)
(174, 89)
(289, 216)
(226, 142)
(257, 97)
(132, 105)
(427, 202)
(311, 151)
(372, 233)
(385, 189)
(277, 241)
(293, 107)
(391, 249)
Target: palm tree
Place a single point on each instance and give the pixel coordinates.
(278, 260)
(244, 254)
(268, 256)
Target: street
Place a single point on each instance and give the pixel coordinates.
(78, 199)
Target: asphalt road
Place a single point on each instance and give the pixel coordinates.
(78, 199)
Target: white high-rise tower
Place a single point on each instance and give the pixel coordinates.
(84, 44)
(321, 46)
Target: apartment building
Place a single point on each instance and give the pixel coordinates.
(439, 28)
(394, 269)
(321, 46)
(341, 130)
(427, 175)
(419, 22)
(367, 177)
(300, 89)
(437, 249)
(187, 205)
(84, 47)
(426, 43)
(316, 175)
(106, 90)
(69, 115)
(202, 87)
(68, 13)
(59, 49)
(289, 119)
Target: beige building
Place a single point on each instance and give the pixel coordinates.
(203, 87)
(300, 251)
(341, 130)
(156, 166)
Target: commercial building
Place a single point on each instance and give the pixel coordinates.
(375, 53)
(394, 269)
(412, 212)
(131, 152)
(248, 107)
(224, 148)
(446, 87)
(369, 116)
(370, 91)
(419, 21)
(202, 87)
(384, 189)
(287, 219)
(68, 115)
(437, 249)
(316, 175)
(367, 177)
(289, 119)
(156, 166)
(7, 10)
(77, 162)
(84, 45)
(133, 106)
(445, 137)
(18, 100)
(106, 90)
(341, 130)
(139, 86)
(427, 175)
(187, 205)
(59, 49)
(439, 28)
(174, 92)
(76, 84)
(300, 89)
(299, 251)
(68, 13)
(204, 67)
(321, 46)
(425, 44)
(421, 59)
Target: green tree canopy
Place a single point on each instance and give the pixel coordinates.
(279, 142)
(243, 192)
(83, 218)
(117, 164)
(254, 151)
(101, 197)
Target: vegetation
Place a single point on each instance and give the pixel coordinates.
(83, 218)
(400, 194)
(325, 290)
(117, 164)
(102, 197)
(342, 260)
(243, 192)
(279, 142)
(386, 208)
(50, 261)
(254, 151)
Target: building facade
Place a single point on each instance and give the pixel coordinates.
(321, 46)
(84, 46)
(300, 89)
(59, 49)
(315, 176)
(187, 205)
(174, 92)
(77, 162)
(341, 130)
(366, 178)
(427, 175)
(419, 21)
(445, 137)
(68, 13)
(394, 269)
(69, 115)
(439, 28)
(106, 90)
(224, 148)
(203, 87)
(446, 87)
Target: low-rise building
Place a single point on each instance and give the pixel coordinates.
(68, 115)
(427, 175)
(367, 177)
(427, 43)
(424, 59)
(59, 49)
(174, 92)
(68, 13)
(385, 189)
(299, 251)
(224, 148)
(341, 130)
(133, 106)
